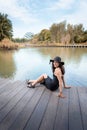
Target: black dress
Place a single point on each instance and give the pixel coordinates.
(51, 84)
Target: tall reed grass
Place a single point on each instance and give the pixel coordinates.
(8, 44)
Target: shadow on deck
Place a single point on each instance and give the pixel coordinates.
(23, 108)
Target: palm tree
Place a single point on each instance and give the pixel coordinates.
(5, 27)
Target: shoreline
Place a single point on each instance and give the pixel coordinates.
(8, 45)
(56, 45)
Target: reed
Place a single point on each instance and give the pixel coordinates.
(8, 44)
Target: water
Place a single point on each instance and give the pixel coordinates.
(29, 63)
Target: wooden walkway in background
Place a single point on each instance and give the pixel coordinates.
(23, 108)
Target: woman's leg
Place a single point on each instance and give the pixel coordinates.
(38, 80)
(30, 81)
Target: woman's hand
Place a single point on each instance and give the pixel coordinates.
(67, 87)
(61, 95)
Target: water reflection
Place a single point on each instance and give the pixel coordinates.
(32, 62)
(7, 64)
(67, 54)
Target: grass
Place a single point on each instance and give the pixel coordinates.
(8, 44)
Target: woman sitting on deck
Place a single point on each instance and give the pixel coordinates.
(58, 77)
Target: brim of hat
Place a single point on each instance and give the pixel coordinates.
(51, 60)
(60, 62)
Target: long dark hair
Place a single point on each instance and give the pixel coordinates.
(62, 68)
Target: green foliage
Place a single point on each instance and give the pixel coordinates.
(70, 31)
(62, 33)
(5, 27)
(19, 40)
(85, 36)
(53, 30)
(27, 37)
(57, 31)
(44, 35)
(79, 38)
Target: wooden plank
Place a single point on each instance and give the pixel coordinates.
(82, 93)
(12, 115)
(61, 122)
(23, 108)
(5, 79)
(75, 122)
(24, 115)
(5, 97)
(2, 79)
(8, 87)
(37, 115)
(50, 114)
(3, 83)
(13, 101)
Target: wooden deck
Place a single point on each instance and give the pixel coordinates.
(23, 108)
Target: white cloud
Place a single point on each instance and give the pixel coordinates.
(79, 16)
(33, 16)
(62, 4)
(76, 14)
(13, 9)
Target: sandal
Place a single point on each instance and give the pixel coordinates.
(31, 86)
(27, 81)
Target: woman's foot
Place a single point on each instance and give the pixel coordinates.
(28, 81)
(31, 86)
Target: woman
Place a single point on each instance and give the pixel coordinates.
(58, 77)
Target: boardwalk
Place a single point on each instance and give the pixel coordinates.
(22, 108)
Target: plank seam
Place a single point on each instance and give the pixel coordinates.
(45, 110)
(80, 107)
(68, 107)
(13, 107)
(33, 109)
(12, 97)
(56, 114)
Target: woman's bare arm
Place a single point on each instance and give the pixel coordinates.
(58, 74)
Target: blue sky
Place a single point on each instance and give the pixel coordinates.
(35, 15)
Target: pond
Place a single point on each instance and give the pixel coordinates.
(29, 63)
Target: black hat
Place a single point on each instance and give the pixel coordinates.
(58, 59)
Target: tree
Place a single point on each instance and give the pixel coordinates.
(80, 38)
(78, 33)
(29, 35)
(5, 27)
(58, 31)
(19, 40)
(70, 31)
(53, 30)
(44, 35)
(85, 36)
(61, 30)
(62, 33)
(78, 29)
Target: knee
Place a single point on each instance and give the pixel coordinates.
(45, 76)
